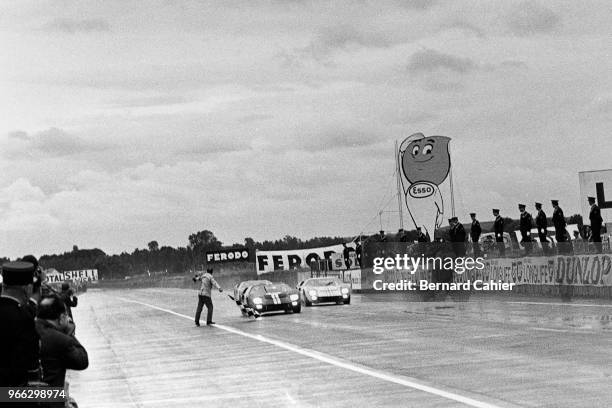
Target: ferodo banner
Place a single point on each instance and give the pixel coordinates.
(228, 255)
(268, 261)
(578, 270)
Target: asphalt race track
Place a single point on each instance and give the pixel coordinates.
(380, 351)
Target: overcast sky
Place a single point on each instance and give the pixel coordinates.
(130, 121)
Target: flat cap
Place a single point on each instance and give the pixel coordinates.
(538, 204)
(472, 214)
(496, 210)
(554, 202)
(18, 273)
(591, 198)
(522, 206)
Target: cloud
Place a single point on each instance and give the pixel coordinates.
(72, 26)
(428, 60)
(530, 18)
(52, 142)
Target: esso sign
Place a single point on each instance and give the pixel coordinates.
(421, 190)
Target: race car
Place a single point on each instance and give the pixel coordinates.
(271, 297)
(324, 290)
(241, 287)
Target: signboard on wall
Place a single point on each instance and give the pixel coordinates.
(596, 184)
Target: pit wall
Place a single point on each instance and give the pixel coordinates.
(564, 276)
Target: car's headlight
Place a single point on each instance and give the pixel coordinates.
(294, 297)
(257, 301)
(345, 290)
(312, 292)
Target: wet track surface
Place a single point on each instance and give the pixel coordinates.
(381, 350)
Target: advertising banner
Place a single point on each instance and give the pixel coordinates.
(577, 270)
(268, 261)
(228, 255)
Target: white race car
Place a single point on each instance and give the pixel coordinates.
(324, 290)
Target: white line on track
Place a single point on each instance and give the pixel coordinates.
(558, 304)
(404, 381)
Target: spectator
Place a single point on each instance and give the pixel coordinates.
(526, 223)
(542, 225)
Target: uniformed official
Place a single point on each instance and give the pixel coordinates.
(525, 225)
(498, 228)
(475, 232)
(204, 296)
(458, 236)
(421, 237)
(596, 222)
(559, 223)
(19, 342)
(542, 225)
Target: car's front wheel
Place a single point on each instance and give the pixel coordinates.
(297, 309)
(306, 301)
(347, 301)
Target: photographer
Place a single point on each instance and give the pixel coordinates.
(69, 299)
(59, 349)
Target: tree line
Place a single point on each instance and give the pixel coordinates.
(168, 260)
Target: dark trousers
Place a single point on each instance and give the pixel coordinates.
(204, 300)
(501, 246)
(526, 241)
(596, 236)
(543, 239)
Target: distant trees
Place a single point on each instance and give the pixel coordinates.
(156, 259)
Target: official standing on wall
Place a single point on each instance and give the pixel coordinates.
(596, 222)
(559, 223)
(475, 232)
(498, 228)
(542, 225)
(525, 225)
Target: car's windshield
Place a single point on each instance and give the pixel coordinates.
(323, 282)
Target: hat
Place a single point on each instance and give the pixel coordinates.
(18, 273)
(554, 202)
(209, 270)
(450, 220)
(455, 219)
(31, 259)
(496, 210)
(591, 198)
(538, 205)
(382, 232)
(472, 214)
(51, 308)
(65, 286)
(522, 206)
